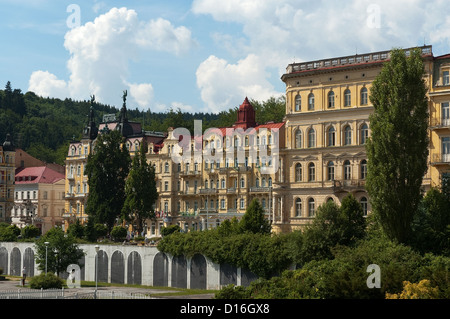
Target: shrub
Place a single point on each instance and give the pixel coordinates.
(30, 231)
(421, 290)
(232, 292)
(118, 233)
(46, 281)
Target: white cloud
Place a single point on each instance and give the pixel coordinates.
(100, 53)
(47, 84)
(142, 94)
(224, 85)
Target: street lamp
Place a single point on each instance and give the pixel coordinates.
(97, 248)
(46, 246)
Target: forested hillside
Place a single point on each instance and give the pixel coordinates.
(44, 126)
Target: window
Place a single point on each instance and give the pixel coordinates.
(298, 103)
(347, 98)
(222, 203)
(363, 169)
(364, 133)
(257, 182)
(311, 138)
(364, 203)
(270, 181)
(166, 206)
(311, 172)
(166, 186)
(347, 135)
(310, 102)
(298, 139)
(330, 171)
(223, 183)
(446, 149)
(364, 96)
(242, 203)
(298, 207)
(242, 183)
(331, 136)
(311, 207)
(445, 108)
(166, 167)
(446, 78)
(347, 170)
(298, 172)
(330, 99)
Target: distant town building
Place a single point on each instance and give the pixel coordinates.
(38, 198)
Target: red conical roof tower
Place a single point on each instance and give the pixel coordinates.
(245, 116)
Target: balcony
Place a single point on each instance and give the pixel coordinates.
(259, 189)
(438, 124)
(348, 185)
(440, 159)
(231, 190)
(208, 191)
(70, 195)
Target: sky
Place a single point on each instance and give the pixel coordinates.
(199, 55)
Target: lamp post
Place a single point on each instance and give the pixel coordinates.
(97, 248)
(46, 247)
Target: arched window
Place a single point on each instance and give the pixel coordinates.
(298, 172)
(330, 171)
(311, 138)
(347, 135)
(330, 99)
(364, 134)
(311, 172)
(311, 207)
(364, 96)
(298, 139)
(298, 207)
(223, 183)
(298, 103)
(166, 167)
(347, 98)
(257, 182)
(363, 169)
(331, 136)
(310, 102)
(242, 182)
(206, 184)
(364, 205)
(270, 181)
(347, 170)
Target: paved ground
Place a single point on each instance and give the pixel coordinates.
(14, 284)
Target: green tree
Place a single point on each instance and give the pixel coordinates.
(254, 220)
(107, 169)
(398, 147)
(332, 226)
(76, 229)
(61, 251)
(118, 233)
(30, 231)
(140, 191)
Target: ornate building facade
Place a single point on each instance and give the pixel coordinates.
(315, 155)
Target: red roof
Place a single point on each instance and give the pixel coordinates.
(41, 174)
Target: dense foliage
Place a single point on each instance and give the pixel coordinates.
(44, 126)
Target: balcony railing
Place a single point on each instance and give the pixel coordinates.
(343, 185)
(439, 123)
(208, 191)
(440, 159)
(259, 189)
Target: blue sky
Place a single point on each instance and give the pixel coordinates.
(200, 55)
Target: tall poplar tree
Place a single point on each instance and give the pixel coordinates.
(140, 190)
(398, 147)
(107, 169)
